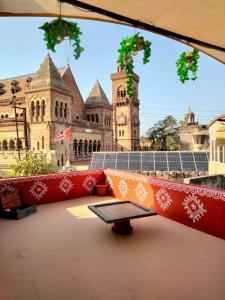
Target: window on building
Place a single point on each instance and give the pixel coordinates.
(80, 148)
(6, 116)
(99, 146)
(96, 118)
(38, 145)
(32, 109)
(94, 146)
(88, 117)
(85, 147)
(42, 108)
(43, 142)
(37, 109)
(121, 92)
(65, 110)
(57, 109)
(19, 144)
(11, 144)
(61, 110)
(2, 116)
(92, 118)
(5, 145)
(135, 133)
(90, 146)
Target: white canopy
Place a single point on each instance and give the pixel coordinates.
(201, 23)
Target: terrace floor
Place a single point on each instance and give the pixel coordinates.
(65, 252)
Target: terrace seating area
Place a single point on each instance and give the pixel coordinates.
(64, 251)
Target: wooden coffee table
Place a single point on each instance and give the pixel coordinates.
(120, 213)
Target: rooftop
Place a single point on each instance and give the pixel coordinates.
(65, 252)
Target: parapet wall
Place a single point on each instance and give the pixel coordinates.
(194, 206)
(42, 189)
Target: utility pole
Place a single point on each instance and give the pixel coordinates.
(14, 89)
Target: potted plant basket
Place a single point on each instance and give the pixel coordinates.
(129, 47)
(188, 62)
(102, 189)
(57, 30)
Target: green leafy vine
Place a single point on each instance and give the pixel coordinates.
(57, 30)
(185, 64)
(128, 48)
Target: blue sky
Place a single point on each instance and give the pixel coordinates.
(161, 93)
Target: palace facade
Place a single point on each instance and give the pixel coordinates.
(49, 101)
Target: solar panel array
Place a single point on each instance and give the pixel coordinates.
(151, 161)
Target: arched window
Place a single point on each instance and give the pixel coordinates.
(19, 144)
(32, 109)
(57, 109)
(42, 108)
(121, 92)
(43, 142)
(85, 147)
(80, 147)
(65, 110)
(5, 145)
(61, 110)
(88, 117)
(37, 109)
(99, 146)
(11, 144)
(75, 148)
(2, 116)
(96, 118)
(38, 145)
(92, 118)
(6, 116)
(94, 146)
(90, 146)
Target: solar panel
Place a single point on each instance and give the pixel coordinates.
(97, 160)
(109, 161)
(135, 161)
(151, 161)
(122, 161)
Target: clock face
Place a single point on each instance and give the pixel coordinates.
(121, 119)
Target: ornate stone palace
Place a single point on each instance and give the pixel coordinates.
(49, 101)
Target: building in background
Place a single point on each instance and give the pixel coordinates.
(126, 124)
(52, 102)
(193, 136)
(217, 145)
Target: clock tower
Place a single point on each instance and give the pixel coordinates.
(126, 124)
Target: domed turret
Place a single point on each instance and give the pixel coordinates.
(189, 117)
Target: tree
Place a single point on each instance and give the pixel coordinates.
(32, 165)
(164, 135)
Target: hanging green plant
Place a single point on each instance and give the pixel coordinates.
(129, 47)
(57, 30)
(188, 61)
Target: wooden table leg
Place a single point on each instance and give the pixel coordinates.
(122, 227)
